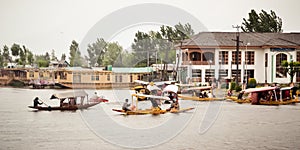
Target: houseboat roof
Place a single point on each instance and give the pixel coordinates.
(132, 70)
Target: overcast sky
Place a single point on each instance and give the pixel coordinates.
(43, 25)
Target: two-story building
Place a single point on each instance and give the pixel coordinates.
(213, 55)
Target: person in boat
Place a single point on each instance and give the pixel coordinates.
(205, 95)
(174, 100)
(126, 105)
(229, 92)
(36, 102)
(240, 96)
(95, 96)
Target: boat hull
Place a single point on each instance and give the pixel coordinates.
(65, 108)
(194, 98)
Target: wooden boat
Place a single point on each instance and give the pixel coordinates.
(69, 101)
(272, 96)
(153, 111)
(196, 90)
(141, 112)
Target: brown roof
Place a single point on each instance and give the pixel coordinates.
(227, 39)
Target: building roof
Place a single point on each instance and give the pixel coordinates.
(228, 39)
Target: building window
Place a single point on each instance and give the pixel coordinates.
(280, 73)
(223, 57)
(207, 56)
(223, 73)
(195, 56)
(209, 74)
(298, 56)
(234, 74)
(196, 73)
(234, 57)
(249, 57)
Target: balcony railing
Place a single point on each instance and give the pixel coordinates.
(197, 63)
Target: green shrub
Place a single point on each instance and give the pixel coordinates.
(232, 87)
(238, 88)
(251, 83)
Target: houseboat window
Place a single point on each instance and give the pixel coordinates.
(249, 57)
(207, 56)
(41, 74)
(196, 75)
(234, 57)
(116, 78)
(31, 74)
(130, 78)
(223, 57)
(95, 78)
(108, 77)
(249, 73)
(121, 77)
(280, 73)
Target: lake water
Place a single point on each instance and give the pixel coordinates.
(212, 125)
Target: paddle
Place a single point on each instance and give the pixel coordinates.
(44, 103)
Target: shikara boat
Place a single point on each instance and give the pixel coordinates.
(271, 96)
(196, 94)
(153, 111)
(68, 101)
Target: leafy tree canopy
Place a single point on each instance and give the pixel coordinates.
(262, 22)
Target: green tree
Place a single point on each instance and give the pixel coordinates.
(15, 50)
(96, 52)
(291, 68)
(112, 55)
(63, 56)
(53, 57)
(1, 59)
(22, 60)
(6, 56)
(262, 22)
(75, 55)
(30, 57)
(42, 60)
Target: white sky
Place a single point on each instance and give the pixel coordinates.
(43, 25)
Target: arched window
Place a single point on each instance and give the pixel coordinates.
(208, 56)
(280, 73)
(195, 56)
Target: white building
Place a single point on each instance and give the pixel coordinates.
(213, 55)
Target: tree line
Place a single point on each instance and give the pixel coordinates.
(147, 48)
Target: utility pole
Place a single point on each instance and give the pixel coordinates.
(237, 53)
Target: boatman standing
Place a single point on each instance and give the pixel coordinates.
(36, 102)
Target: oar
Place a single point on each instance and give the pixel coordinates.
(43, 102)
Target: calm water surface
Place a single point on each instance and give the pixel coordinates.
(212, 125)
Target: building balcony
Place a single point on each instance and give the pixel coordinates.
(197, 63)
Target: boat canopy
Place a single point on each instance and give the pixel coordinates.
(200, 88)
(261, 89)
(68, 94)
(286, 88)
